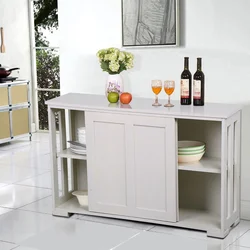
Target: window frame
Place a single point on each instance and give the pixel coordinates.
(33, 50)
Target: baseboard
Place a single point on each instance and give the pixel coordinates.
(245, 210)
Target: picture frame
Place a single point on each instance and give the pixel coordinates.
(150, 23)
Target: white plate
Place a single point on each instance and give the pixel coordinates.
(77, 147)
(77, 144)
(79, 151)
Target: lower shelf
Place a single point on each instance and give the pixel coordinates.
(67, 153)
(206, 165)
(72, 206)
(191, 219)
(198, 219)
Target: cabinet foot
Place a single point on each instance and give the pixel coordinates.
(220, 234)
(237, 222)
(61, 213)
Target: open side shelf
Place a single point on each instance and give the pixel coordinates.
(206, 165)
(199, 183)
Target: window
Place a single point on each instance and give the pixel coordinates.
(46, 69)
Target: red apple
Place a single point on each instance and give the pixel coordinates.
(125, 98)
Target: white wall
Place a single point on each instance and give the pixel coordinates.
(218, 31)
(14, 18)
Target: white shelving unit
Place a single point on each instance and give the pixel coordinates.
(131, 169)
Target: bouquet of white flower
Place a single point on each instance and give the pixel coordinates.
(114, 61)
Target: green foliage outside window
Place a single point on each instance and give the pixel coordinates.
(47, 60)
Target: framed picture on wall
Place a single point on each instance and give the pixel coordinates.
(150, 23)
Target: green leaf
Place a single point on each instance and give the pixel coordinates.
(105, 66)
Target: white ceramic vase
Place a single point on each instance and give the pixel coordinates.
(114, 84)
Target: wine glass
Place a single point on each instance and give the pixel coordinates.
(156, 88)
(169, 87)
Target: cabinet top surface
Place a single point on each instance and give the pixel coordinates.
(75, 101)
(16, 82)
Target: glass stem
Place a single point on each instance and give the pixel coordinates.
(169, 99)
(156, 99)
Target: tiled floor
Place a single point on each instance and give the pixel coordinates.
(26, 221)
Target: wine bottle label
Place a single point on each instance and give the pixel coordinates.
(197, 89)
(184, 88)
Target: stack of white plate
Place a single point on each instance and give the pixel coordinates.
(81, 135)
(190, 151)
(78, 148)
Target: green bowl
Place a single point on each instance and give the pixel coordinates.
(191, 150)
(189, 146)
(194, 152)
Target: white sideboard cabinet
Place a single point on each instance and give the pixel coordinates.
(131, 169)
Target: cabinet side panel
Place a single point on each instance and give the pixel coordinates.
(4, 97)
(20, 120)
(150, 168)
(19, 94)
(109, 168)
(4, 125)
(231, 171)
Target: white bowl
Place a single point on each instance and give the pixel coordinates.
(81, 133)
(82, 141)
(81, 136)
(82, 197)
(190, 158)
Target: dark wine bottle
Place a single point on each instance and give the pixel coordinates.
(186, 84)
(199, 85)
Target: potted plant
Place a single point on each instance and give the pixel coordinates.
(114, 61)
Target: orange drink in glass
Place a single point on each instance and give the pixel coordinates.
(156, 86)
(169, 87)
